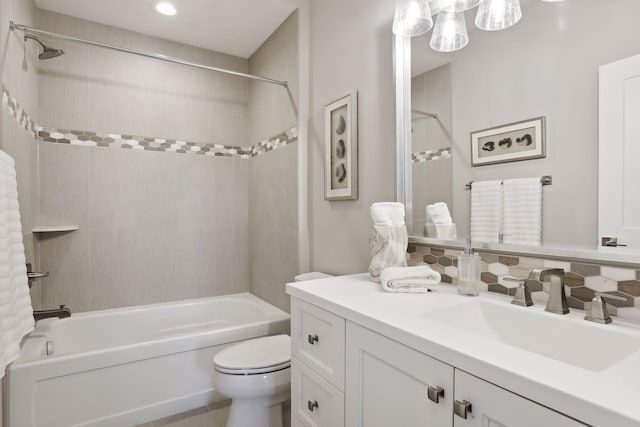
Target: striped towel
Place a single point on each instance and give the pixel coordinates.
(522, 211)
(16, 313)
(486, 211)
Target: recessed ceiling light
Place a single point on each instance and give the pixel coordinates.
(165, 8)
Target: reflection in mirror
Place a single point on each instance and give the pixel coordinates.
(545, 66)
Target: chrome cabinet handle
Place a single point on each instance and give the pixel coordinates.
(435, 393)
(462, 409)
(312, 405)
(312, 339)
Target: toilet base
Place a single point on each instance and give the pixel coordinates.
(255, 413)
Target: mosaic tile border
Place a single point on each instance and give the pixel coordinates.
(582, 280)
(18, 113)
(429, 155)
(136, 142)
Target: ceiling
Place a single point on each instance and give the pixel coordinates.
(236, 27)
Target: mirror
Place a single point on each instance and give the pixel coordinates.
(547, 65)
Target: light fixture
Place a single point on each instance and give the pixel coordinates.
(165, 8)
(495, 15)
(412, 18)
(450, 32)
(459, 5)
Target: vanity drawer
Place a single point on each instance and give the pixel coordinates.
(317, 339)
(314, 402)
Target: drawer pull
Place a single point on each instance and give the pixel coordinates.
(435, 393)
(312, 405)
(462, 409)
(312, 339)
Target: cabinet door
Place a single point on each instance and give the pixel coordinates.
(317, 339)
(492, 406)
(387, 383)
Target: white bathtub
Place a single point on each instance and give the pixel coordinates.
(128, 366)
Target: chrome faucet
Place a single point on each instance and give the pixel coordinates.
(557, 302)
(598, 311)
(60, 313)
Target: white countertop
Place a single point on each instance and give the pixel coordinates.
(607, 398)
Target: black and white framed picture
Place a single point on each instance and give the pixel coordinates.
(341, 148)
(523, 140)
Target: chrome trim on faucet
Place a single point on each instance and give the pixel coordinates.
(557, 302)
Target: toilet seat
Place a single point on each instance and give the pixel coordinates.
(255, 356)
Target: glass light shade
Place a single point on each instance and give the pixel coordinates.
(450, 32)
(412, 18)
(494, 15)
(459, 5)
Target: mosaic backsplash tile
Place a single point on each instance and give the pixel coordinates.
(135, 142)
(581, 280)
(429, 155)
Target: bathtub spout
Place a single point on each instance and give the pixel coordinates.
(60, 313)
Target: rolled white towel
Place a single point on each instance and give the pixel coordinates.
(418, 279)
(438, 213)
(441, 231)
(387, 213)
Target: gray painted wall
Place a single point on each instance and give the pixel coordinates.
(351, 48)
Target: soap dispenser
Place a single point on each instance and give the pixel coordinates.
(468, 271)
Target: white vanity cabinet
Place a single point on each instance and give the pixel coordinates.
(344, 374)
(317, 366)
(389, 384)
(492, 406)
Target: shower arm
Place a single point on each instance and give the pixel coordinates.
(13, 27)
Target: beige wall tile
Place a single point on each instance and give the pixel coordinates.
(155, 189)
(113, 268)
(64, 184)
(157, 265)
(67, 258)
(112, 183)
(198, 267)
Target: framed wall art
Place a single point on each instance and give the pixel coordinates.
(523, 140)
(341, 148)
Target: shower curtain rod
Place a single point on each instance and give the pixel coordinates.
(424, 113)
(27, 30)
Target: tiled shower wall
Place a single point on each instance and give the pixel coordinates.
(153, 226)
(582, 280)
(273, 189)
(18, 68)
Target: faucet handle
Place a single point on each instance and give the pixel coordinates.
(598, 311)
(522, 296)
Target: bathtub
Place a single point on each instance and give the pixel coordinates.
(128, 366)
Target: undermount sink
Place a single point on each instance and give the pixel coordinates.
(569, 340)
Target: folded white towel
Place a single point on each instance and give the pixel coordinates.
(441, 231)
(387, 213)
(418, 279)
(438, 213)
(486, 211)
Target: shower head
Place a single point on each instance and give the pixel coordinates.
(48, 52)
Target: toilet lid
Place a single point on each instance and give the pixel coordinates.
(256, 355)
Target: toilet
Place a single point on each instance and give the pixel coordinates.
(256, 375)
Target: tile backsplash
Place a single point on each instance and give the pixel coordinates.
(582, 280)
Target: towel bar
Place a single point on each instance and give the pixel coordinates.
(545, 180)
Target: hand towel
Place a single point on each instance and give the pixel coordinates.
(522, 211)
(441, 231)
(388, 239)
(16, 312)
(418, 279)
(486, 211)
(438, 213)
